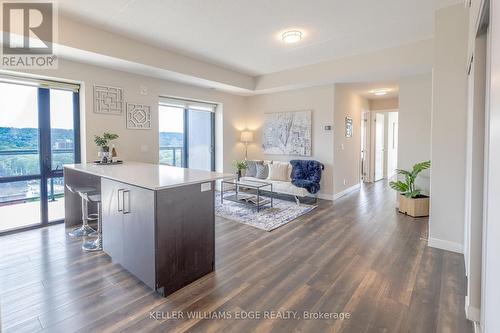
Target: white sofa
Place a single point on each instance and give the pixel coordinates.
(282, 187)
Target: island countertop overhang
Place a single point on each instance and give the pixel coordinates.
(149, 176)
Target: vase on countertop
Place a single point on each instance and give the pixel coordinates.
(105, 158)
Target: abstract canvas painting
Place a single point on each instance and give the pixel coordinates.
(108, 100)
(287, 133)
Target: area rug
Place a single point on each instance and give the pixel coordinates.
(267, 218)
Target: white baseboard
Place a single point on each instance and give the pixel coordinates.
(325, 196)
(445, 245)
(472, 313)
(477, 327)
(346, 191)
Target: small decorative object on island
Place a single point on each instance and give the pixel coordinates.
(103, 143)
(240, 166)
(411, 201)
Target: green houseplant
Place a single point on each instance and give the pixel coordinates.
(411, 199)
(240, 166)
(103, 143)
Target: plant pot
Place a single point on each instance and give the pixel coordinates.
(415, 207)
(105, 158)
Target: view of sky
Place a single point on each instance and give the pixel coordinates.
(171, 119)
(18, 107)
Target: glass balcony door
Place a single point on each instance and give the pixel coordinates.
(38, 134)
(187, 134)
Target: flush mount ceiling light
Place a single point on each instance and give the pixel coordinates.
(380, 92)
(292, 36)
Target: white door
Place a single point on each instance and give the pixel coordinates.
(364, 146)
(379, 146)
(392, 144)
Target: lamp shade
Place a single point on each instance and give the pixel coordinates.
(246, 136)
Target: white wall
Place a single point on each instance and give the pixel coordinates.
(491, 231)
(381, 104)
(318, 99)
(414, 135)
(449, 133)
(347, 151)
(143, 145)
(475, 178)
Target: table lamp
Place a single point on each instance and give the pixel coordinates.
(246, 138)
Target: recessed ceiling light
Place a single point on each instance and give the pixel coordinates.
(380, 92)
(292, 36)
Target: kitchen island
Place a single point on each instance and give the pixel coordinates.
(158, 221)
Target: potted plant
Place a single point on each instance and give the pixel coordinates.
(411, 200)
(240, 166)
(103, 143)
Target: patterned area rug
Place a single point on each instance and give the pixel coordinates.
(267, 218)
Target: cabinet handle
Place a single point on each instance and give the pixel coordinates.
(128, 202)
(120, 200)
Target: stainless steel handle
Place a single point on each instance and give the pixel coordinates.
(126, 211)
(120, 200)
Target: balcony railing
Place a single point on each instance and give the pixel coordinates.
(24, 193)
(172, 155)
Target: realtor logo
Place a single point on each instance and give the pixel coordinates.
(28, 30)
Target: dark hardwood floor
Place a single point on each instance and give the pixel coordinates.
(357, 256)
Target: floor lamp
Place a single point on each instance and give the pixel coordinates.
(246, 138)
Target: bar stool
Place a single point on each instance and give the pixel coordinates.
(84, 229)
(96, 244)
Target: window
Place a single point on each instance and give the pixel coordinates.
(187, 134)
(39, 132)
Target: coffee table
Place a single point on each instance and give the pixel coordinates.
(263, 193)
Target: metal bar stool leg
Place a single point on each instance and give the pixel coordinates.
(84, 229)
(95, 244)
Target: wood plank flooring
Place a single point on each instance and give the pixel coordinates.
(356, 255)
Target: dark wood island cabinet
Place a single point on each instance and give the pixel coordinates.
(158, 221)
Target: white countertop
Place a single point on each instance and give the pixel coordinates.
(150, 176)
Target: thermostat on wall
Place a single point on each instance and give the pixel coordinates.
(328, 127)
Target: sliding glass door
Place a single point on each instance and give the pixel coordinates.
(187, 134)
(39, 132)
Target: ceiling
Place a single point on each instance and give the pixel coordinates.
(366, 89)
(245, 35)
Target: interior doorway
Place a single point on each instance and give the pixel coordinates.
(379, 145)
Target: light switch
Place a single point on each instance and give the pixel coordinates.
(342, 146)
(144, 90)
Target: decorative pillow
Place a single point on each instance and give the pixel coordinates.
(279, 171)
(251, 170)
(262, 171)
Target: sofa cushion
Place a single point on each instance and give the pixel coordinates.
(279, 171)
(251, 170)
(262, 171)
